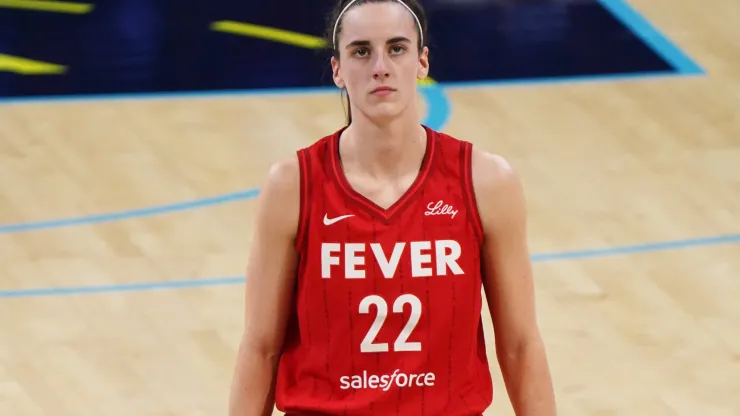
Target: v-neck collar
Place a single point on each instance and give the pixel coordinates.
(384, 214)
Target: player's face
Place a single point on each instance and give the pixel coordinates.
(379, 60)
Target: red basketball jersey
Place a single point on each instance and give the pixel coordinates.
(387, 315)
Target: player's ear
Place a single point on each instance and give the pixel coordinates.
(338, 81)
(423, 70)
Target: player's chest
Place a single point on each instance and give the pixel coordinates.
(435, 209)
(429, 241)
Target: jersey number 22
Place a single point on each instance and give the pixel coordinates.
(402, 344)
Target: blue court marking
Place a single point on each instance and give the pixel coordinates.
(130, 287)
(237, 280)
(438, 106)
(438, 111)
(574, 79)
(141, 212)
(137, 96)
(637, 248)
(641, 27)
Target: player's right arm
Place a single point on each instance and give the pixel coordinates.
(270, 277)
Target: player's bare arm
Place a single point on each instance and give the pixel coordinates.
(508, 283)
(268, 292)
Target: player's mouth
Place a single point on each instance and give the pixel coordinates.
(382, 91)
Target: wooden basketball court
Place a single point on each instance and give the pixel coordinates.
(634, 201)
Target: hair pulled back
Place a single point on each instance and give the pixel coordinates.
(336, 16)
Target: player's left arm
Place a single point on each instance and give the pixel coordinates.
(509, 286)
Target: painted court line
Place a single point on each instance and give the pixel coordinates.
(566, 80)
(649, 34)
(236, 280)
(134, 213)
(131, 287)
(638, 248)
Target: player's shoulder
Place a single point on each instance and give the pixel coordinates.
(283, 180)
(447, 139)
(279, 197)
(284, 176)
(285, 173)
(489, 169)
(498, 190)
(319, 146)
(493, 177)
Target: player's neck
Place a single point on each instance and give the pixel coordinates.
(385, 149)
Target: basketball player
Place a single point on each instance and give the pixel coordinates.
(363, 289)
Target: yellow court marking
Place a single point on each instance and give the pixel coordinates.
(25, 66)
(272, 34)
(48, 6)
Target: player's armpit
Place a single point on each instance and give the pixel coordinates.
(270, 277)
(509, 287)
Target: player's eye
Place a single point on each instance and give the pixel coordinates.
(360, 52)
(396, 49)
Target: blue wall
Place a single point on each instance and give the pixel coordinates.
(125, 46)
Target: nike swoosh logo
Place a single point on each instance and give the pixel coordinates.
(330, 221)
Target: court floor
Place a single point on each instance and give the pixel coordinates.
(124, 228)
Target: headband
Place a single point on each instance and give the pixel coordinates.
(339, 18)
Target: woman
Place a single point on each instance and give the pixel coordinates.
(363, 289)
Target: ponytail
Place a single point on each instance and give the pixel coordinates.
(349, 109)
